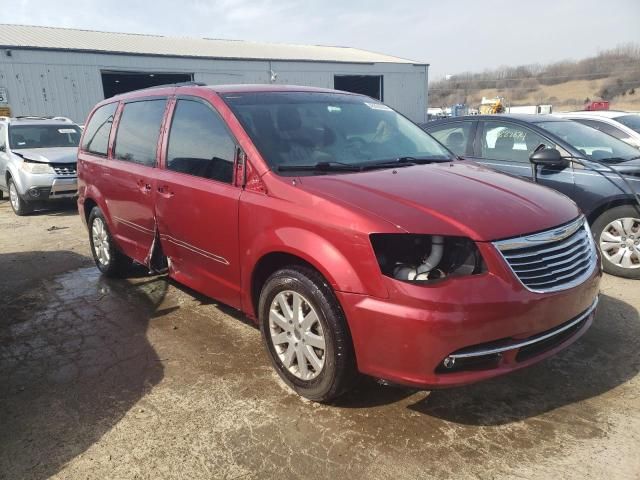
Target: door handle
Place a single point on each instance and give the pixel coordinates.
(165, 192)
(144, 187)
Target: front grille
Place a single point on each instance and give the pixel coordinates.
(65, 169)
(553, 260)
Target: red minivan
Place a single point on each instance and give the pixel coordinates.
(355, 240)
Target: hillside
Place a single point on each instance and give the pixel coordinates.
(612, 75)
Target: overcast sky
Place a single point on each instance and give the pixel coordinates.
(452, 35)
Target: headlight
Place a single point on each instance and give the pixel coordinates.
(425, 258)
(37, 167)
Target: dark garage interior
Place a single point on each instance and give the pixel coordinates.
(370, 85)
(114, 83)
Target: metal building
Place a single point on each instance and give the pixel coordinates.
(59, 71)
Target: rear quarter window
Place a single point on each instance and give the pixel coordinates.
(97, 131)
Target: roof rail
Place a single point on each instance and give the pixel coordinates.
(178, 84)
(32, 117)
(44, 117)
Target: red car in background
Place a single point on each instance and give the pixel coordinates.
(355, 240)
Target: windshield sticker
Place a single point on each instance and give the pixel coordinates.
(66, 130)
(377, 106)
(331, 108)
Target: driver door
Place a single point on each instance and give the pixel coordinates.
(506, 146)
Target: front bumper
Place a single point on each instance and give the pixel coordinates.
(407, 337)
(38, 187)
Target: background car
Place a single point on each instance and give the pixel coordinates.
(37, 160)
(624, 126)
(506, 143)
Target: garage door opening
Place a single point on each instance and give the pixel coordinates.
(370, 85)
(114, 83)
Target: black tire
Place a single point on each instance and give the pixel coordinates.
(22, 207)
(605, 219)
(339, 370)
(118, 264)
(1, 194)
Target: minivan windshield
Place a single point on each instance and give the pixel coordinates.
(43, 136)
(594, 144)
(307, 129)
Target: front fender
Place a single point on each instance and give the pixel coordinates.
(14, 171)
(348, 266)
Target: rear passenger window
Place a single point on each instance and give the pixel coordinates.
(138, 131)
(199, 143)
(97, 131)
(453, 136)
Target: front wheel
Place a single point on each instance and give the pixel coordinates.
(109, 260)
(617, 232)
(18, 204)
(306, 334)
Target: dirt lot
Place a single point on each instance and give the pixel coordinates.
(142, 378)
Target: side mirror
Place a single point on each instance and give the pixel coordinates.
(548, 157)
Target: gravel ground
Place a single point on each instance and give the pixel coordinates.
(143, 378)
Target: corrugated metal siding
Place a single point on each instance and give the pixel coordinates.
(89, 40)
(43, 82)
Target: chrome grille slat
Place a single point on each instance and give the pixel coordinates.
(543, 251)
(579, 248)
(550, 261)
(580, 254)
(556, 271)
(555, 280)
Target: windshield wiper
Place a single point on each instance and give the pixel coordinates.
(321, 167)
(404, 162)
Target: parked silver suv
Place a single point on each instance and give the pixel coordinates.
(37, 160)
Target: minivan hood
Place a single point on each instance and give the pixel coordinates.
(49, 155)
(459, 198)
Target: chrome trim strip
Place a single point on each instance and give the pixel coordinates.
(135, 226)
(530, 341)
(554, 235)
(199, 251)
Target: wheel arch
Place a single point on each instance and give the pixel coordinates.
(619, 201)
(267, 265)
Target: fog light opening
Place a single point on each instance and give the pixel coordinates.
(34, 192)
(449, 362)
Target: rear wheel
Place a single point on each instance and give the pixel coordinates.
(306, 334)
(109, 260)
(18, 204)
(617, 232)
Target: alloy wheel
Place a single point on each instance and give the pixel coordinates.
(297, 335)
(620, 242)
(100, 238)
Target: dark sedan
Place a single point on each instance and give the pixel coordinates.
(571, 162)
